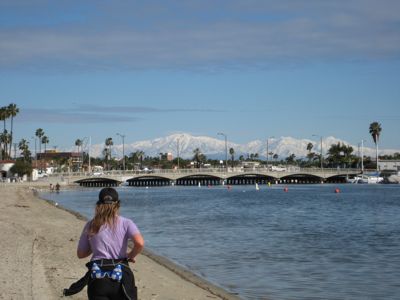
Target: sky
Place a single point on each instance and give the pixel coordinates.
(251, 69)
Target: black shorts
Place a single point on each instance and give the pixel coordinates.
(105, 289)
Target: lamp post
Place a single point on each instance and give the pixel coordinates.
(321, 159)
(362, 156)
(90, 145)
(123, 149)
(268, 148)
(226, 149)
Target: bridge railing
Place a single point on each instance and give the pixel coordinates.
(293, 170)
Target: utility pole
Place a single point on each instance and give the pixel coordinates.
(322, 157)
(362, 156)
(178, 150)
(90, 145)
(268, 148)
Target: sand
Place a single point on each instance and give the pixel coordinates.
(38, 246)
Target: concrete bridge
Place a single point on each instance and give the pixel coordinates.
(209, 176)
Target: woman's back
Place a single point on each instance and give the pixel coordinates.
(111, 241)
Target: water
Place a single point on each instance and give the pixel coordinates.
(307, 243)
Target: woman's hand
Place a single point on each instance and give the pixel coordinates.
(138, 243)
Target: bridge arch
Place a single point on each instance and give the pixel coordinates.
(98, 182)
(336, 179)
(199, 179)
(149, 180)
(250, 179)
(301, 178)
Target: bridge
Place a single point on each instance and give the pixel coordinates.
(208, 176)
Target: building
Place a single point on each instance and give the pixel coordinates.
(389, 165)
(170, 156)
(72, 160)
(5, 166)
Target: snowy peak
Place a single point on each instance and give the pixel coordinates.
(185, 144)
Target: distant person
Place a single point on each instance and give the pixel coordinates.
(51, 187)
(57, 187)
(105, 237)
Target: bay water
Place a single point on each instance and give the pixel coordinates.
(306, 243)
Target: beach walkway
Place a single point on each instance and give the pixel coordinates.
(39, 255)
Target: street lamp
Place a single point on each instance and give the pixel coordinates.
(362, 156)
(271, 137)
(322, 166)
(226, 149)
(123, 149)
(90, 145)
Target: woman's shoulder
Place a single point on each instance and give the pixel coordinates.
(124, 220)
(87, 225)
(128, 225)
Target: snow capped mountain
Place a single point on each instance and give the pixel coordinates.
(215, 147)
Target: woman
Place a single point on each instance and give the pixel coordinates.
(105, 237)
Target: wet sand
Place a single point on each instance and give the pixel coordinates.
(39, 255)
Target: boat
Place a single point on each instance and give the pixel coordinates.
(394, 178)
(366, 178)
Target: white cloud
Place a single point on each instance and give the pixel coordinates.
(253, 33)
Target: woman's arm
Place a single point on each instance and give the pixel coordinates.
(138, 242)
(84, 249)
(83, 253)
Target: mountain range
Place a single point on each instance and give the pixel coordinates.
(215, 148)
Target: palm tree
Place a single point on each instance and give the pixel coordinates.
(291, 158)
(105, 154)
(140, 155)
(39, 133)
(309, 147)
(375, 130)
(340, 154)
(109, 142)
(5, 140)
(4, 116)
(45, 141)
(13, 110)
(24, 147)
(78, 143)
(197, 157)
(232, 154)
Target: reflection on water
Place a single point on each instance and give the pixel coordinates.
(307, 243)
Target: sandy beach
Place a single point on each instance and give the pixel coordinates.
(39, 255)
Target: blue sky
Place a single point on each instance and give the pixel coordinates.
(251, 69)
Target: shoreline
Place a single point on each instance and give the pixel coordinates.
(174, 282)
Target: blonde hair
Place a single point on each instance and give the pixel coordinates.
(105, 214)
